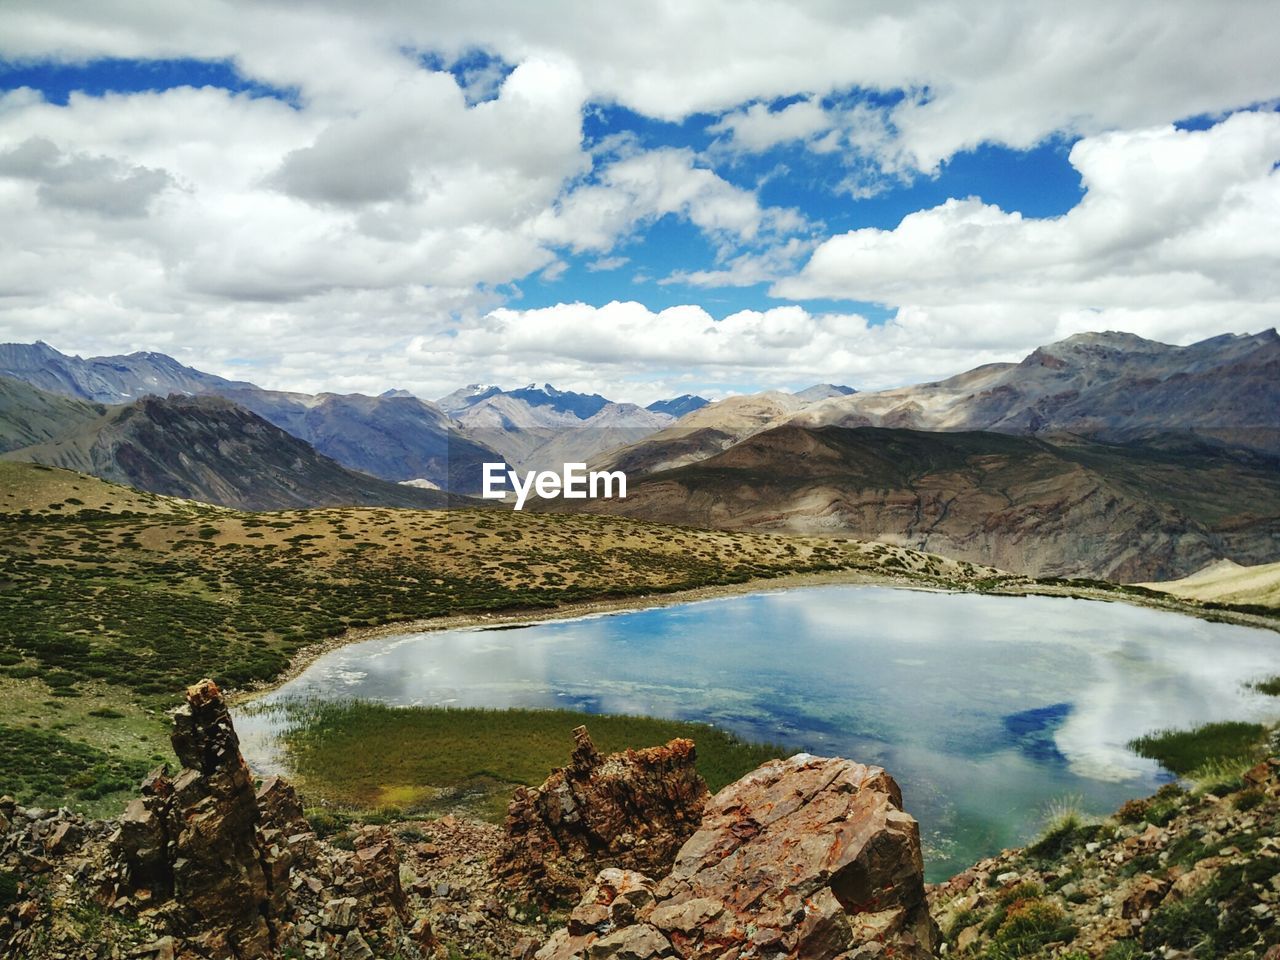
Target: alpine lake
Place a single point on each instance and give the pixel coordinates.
(988, 710)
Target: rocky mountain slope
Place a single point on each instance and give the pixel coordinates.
(209, 449)
(678, 406)
(1109, 386)
(1178, 875)
(29, 415)
(1105, 385)
(544, 428)
(703, 433)
(108, 380)
(824, 391)
(396, 437)
(1070, 508)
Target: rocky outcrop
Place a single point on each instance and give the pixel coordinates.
(193, 840)
(210, 449)
(630, 810)
(201, 865)
(806, 858)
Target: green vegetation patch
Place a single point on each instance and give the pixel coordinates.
(1184, 751)
(40, 765)
(1270, 686)
(364, 755)
(1027, 928)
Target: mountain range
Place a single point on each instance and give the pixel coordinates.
(1152, 509)
(542, 428)
(208, 448)
(395, 436)
(1112, 386)
(1102, 455)
(1109, 386)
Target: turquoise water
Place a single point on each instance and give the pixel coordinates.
(987, 710)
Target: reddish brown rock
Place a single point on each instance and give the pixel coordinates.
(630, 810)
(1143, 895)
(805, 858)
(194, 838)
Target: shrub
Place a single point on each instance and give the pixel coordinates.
(1027, 928)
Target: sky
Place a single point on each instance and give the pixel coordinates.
(641, 199)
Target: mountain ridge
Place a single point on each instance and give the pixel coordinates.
(1062, 507)
(212, 450)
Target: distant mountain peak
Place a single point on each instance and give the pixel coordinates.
(678, 406)
(823, 391)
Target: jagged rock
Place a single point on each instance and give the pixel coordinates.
(1142, 896)
(279, 806)
(807, 858)
(215, 859)
(339, 914)
(195, 838)
(630, 810)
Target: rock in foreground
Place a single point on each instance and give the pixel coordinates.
(202, 865)
(806, 858)
(630, 810)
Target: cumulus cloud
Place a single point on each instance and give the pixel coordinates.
(640, 188)
(977, 71)
(92, 184)
(1174, 226)
(748, 269)
(627, 350)
(363, 233)
(858, 136)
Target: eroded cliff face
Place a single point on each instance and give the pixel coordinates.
(631, 810)
(808, 857)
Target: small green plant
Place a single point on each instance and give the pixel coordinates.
(1028, 928)
(8, 889)
(1064, 820)
(1248, 799)
(1220, 775)
(961, 922)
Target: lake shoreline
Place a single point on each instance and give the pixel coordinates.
(1019, 587)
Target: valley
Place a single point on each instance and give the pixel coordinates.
(133, 593)
(1056, 584)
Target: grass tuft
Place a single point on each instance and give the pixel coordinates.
(1185, 751)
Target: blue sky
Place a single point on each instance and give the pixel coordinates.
(637, 200)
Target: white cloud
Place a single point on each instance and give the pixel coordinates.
(1178, 233)
(605, 264)
(1000, 71)
(386, 203)
(628, 351)
(102, 185)
(642, 187)
(755, 127)
(748, 269)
